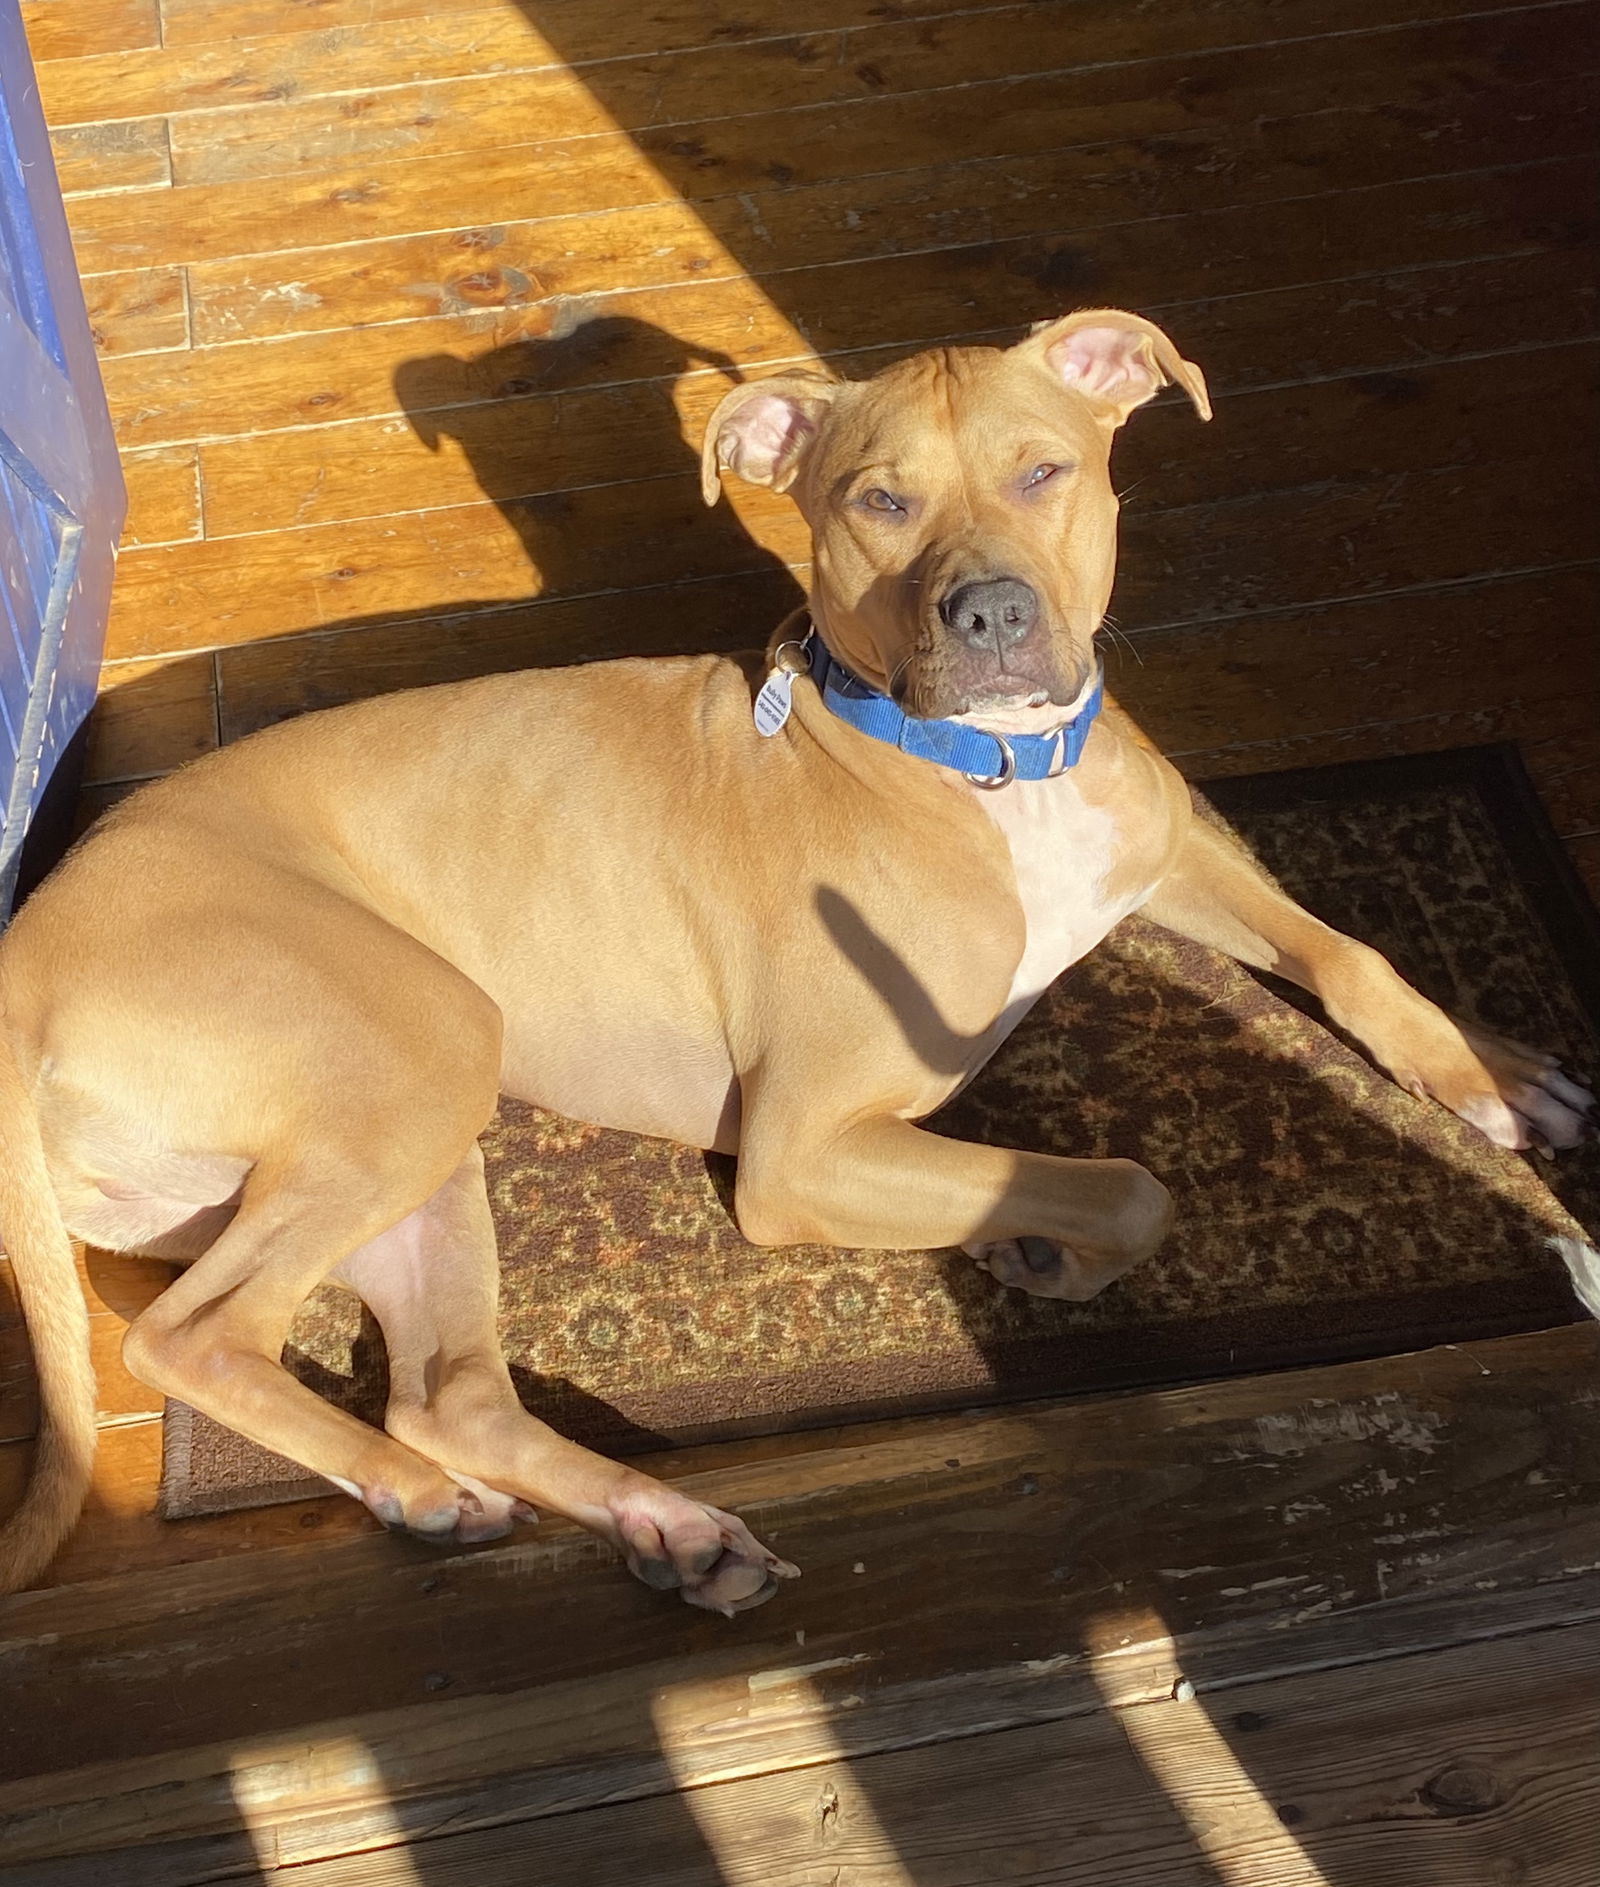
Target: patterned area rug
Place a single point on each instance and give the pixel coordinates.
(1322, 1213)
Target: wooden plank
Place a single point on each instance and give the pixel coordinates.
(298, 130)
(119, 1396)
(1394, 673)
(1061, 215)
(507, 450)
(1390, 423)
(1189, 563)
(1584, 852)
(399, 87)
(578, 29)
(193, 22)
(266, 681)
(67, 29)
(1402, 673)
(1370, 325)
(151, 717)
(1472, 1765)
(163, 495)
(227, 590)
(311, 57)
(1066, 1554)
(726, 158)
(116, 1288)
(129, 156)
(1526, 718)
(138, 311)
(1236, 558)
(1564, 758)
(119, 1283)
(120, 1531)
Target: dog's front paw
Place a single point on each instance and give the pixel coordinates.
(1135, 1216)
(1039, 1266)
(712, 1558)
(1515, 1096)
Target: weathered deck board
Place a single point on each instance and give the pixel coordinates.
(1473, 1766)
(1066, 1554)
(1047, 227)
(138, 311)
(112, 156)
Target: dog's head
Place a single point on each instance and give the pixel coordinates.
(962, 515)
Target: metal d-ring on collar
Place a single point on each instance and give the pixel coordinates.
(992, 782)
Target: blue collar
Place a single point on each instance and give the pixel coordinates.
(986, 759)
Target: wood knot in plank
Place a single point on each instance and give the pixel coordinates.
(1461, 1790)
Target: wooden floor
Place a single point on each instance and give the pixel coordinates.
(409, 312)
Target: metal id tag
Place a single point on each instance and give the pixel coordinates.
(773, 702)
(776, 696)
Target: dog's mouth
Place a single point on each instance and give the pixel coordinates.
(958, 684)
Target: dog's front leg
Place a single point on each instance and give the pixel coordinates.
(1515, 1096)
(1052, 1226)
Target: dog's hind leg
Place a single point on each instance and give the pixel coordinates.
(354, 1158)
(214, 1339)
(432, 1281)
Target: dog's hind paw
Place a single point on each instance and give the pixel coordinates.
(710, 1557)
(464, 1516)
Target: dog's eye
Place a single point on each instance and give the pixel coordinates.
(1040, 475)
(880, 500)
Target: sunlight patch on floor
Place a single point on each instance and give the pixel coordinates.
(848, 1832)
(1187, 1757)
(270, 1782)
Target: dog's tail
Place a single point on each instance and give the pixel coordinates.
(41, 1257)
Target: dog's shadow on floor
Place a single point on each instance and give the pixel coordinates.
(558, 428)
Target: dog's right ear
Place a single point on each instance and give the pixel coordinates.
(761, 431)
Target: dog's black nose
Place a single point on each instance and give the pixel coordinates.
(991, 615)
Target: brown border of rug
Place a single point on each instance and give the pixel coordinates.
(1248, 1343)
(1241, 1342)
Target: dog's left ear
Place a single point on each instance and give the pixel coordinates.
(761, 431)
(1116, 360)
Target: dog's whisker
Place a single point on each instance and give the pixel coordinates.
(1118, 639)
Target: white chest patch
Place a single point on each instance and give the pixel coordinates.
(1063, 852)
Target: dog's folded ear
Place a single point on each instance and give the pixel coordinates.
(1116, 360)
(761, 431)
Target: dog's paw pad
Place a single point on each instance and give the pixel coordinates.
(673, 1543)
(1039, 1266)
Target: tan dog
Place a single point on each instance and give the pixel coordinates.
(260, 1017)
